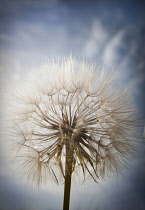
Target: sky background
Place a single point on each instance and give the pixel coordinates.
(105, 32)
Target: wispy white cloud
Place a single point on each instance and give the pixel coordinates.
(97, 36)
(110, 52)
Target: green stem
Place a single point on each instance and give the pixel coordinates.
(68, 173)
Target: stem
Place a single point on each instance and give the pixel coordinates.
(68, 173)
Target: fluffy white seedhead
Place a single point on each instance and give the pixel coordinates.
(70, 110)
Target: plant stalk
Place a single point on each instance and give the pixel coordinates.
(68, 173)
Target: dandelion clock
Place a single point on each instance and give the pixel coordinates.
(69, 117)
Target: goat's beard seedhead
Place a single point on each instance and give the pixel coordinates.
(71, 103)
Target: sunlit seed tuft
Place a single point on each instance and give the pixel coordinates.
(71, 103)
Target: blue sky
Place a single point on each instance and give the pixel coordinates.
(110, 33)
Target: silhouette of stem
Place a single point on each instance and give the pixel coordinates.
(68, 173)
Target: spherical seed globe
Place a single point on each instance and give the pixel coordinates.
(69, 105)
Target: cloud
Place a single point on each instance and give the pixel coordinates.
(110, 52)
(97, 37)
